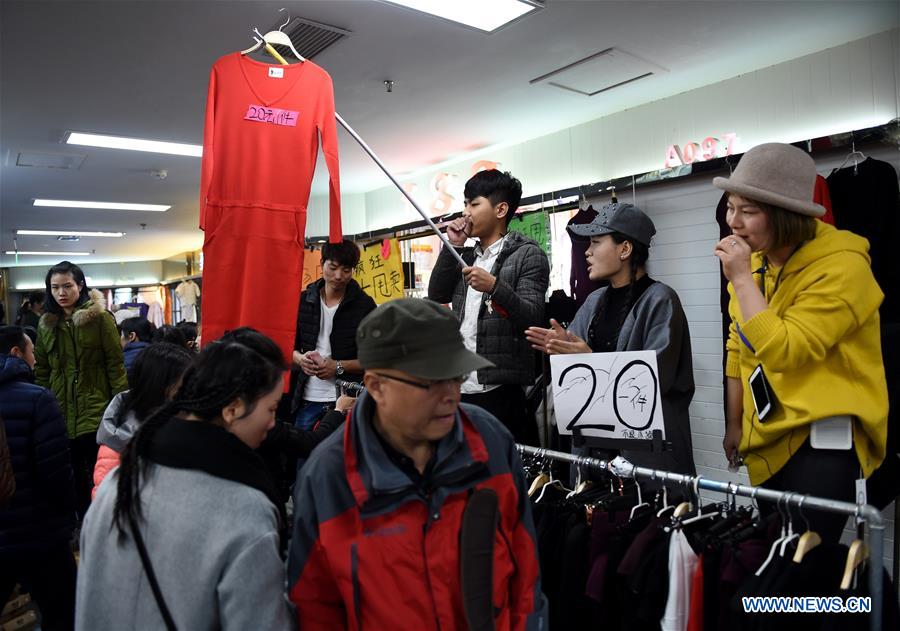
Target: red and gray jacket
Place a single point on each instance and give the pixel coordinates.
(371, 550)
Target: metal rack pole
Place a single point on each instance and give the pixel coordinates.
(866, 512)
(362, 143)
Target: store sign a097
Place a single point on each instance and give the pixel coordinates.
(707, 149)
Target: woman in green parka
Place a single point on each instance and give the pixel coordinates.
(79, 358)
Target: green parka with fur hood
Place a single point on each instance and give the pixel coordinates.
(80, 360)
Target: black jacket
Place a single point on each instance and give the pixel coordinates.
(353, 308)
(523, 274)
(42, 511)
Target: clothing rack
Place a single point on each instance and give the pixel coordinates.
(865, 512)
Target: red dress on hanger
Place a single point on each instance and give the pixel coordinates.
(263, 123)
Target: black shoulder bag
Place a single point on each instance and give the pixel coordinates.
(151, 576)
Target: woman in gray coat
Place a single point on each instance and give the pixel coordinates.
(634, 313)
(186, 532)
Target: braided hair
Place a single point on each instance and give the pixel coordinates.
(222, 372)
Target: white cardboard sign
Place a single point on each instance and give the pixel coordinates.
(607, 395)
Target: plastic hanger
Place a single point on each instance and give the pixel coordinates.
(808, 540)
(774, 548)
(583, 203)
(791, 536)
(856, 156)
(271, 38)
(578, 477)
(666, 505)
(700, 514)
(553, 482)
(641, 503)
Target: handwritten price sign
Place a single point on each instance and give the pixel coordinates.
(273, 115)
(607, 395)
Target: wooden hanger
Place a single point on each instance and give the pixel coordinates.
(682, 509)
(857, 555)
(808, 540)
(538, 483)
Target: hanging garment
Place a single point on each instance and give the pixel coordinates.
(260, 143)
(152, 296)
(580, 282)
(682, 565)
(188, 293)
(822, 196)
(695, 615)
(141, 308)
(866, 200)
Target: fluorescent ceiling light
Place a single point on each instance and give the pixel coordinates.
(133, 144)
(23, 253)
(70, 233)
(485, 15)
(66, 203)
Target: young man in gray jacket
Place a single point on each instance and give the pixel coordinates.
(499, 294)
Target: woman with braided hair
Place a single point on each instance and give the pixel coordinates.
(634, 313)
(185, 533)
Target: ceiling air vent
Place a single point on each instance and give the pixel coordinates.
(50, 160)
(309, 38)
(600, 72)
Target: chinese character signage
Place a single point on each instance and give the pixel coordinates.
(380, 271)
(534, 226)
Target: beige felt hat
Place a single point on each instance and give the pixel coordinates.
(777, 174)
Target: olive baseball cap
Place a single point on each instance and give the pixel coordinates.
(417, 336)
(620, 217)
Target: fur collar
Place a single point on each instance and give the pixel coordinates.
(84, 314)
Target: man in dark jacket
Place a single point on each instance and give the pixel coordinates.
(385, 527)
(36, 527)
(330, 310)
(497, 296)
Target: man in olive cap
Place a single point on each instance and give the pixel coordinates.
(390, 510)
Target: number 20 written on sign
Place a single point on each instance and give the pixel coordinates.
(692, 152)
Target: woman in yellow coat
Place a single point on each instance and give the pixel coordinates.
(806, 394)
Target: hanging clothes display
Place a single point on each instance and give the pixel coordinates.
(866, 200)
(189, 294)
(260, 142)
(612, 561)
(151, 297)
(580, 283)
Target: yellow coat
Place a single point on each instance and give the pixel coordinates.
(819, 343)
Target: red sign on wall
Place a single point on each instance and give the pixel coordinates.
(692, 152)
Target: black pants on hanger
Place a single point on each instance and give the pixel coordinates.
(507, 403)
(829, 473)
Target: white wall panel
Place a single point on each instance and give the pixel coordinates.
(847, 87)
